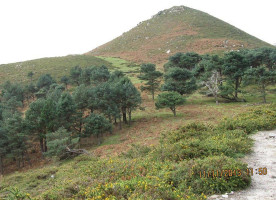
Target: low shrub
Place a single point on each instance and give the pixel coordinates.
(199, 141)
(208, 176)
(136, 151)
(258, 118)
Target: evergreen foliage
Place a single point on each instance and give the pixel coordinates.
(59, 141)
(151, 76)
(169, 100)
(179, 80)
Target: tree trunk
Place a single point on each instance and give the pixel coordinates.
(1, 165)
(120, 122)
(45, 145)
(124, 115)
(41, 145)
(236, 88)
(152, 93)
(129, 116)
(80, 126)
(216, 98)
(174, 112)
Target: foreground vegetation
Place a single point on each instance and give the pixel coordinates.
(170, 170)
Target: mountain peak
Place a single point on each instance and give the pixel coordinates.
(177, 29)
(174, 9)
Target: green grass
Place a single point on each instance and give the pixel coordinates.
(56, 66)
(60, 66)
(129, 68)
(113, 139)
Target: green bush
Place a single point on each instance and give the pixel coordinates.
(199, 140)
(136, 151)
(187, 175)
(258, 118)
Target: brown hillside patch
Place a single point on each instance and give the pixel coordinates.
(155, 50)
(147, 130)
(205, 45)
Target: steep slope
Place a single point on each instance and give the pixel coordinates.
(178, 29)
(56, 66)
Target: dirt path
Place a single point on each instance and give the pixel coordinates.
(263, 187)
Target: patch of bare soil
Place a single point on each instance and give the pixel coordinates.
(263, 155)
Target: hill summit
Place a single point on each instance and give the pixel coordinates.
(178, 29)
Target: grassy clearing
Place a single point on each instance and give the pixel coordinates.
(130, 69)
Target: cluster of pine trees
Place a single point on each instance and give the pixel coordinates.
(55, 118)
(223, 76)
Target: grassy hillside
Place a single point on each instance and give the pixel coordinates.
(56, 66)
(105, 175)
(179, 29)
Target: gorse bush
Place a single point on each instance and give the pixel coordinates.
(198, 140)
(258, 118)
(204, 175)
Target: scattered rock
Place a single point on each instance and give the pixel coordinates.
(169, 51)
(214, 196)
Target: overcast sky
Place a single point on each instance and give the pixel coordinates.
(33, 29)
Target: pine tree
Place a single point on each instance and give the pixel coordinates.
(66, 110)
(3, 147)
(183, 60)
(75, 75)
(44, 82)
(65, 80)
(59, 141)
(169, 100)
(35, 124)
(128, 97)
(151, 76)
(235, 65)
(86, 75)
(179, 80)
(96, 124)
(17, 138)
(262, 77)
(100, 75)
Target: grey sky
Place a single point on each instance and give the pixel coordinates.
(44, 28)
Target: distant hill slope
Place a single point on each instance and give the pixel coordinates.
(56, 66)
(178, 29)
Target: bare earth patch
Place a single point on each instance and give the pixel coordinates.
(263, 155)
